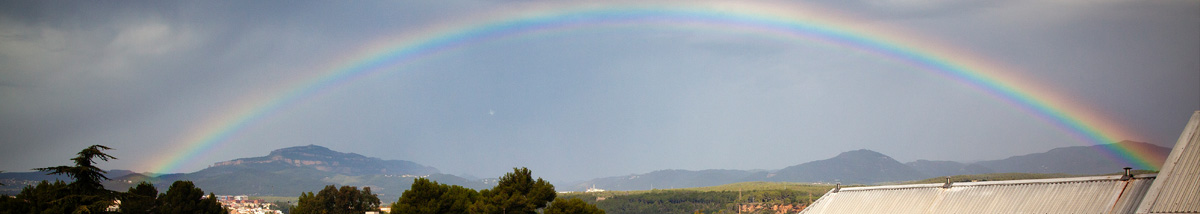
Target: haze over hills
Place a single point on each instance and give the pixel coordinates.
(870, 167)
(290, 171)
(1084, 160)
(15, 181)
(858, 166)
(852, 167)
(669, 179)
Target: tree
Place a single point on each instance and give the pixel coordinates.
(572, 206)
(517, 192)
(87, 176)
(185, 197)
(284, 206)
(85, 194)
(41, 198)
(307, 204)
(139, 199)
(333, 200)
(427, 196)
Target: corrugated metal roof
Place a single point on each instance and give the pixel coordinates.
(1178, 187)
(1174, 190)
(1096, 194)
(1132, 197)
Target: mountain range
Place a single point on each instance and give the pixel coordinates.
(283, 172)
(870, 167)
(291, 171)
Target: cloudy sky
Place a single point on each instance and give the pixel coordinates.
(578, 102)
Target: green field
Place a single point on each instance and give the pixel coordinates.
(275, 198)
(715, 199)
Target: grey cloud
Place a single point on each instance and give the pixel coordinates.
(593, 102)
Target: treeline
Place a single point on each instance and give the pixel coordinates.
(516, 192)
(334, 200)
(670, 202)
(86, 194)
(702, 200)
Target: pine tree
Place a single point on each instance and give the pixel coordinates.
(185, 197)
(427, 196)
(139, 199)
(332, 200)
(572, 206)
(517, 192)
(85, 194)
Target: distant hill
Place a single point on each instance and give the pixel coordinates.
(324, 159)
(1079, 160)
(853, 167)
(291, 171)
(670, 179)
(15, 181)
(283, 172)
(945, 168)
(870, 167)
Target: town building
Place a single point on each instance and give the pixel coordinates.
(594, 189)
(242, 204)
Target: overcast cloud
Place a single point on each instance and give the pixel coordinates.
(578, 103)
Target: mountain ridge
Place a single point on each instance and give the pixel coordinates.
(869, 167)
(294, 170)
(327, 160)
(290, 171)
(857, 166)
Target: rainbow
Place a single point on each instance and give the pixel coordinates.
(790, 20)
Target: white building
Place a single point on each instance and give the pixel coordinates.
(593, 189)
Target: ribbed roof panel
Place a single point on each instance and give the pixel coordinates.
(1178, 187)
(1097, 194)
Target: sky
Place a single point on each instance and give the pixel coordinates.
(579, 102)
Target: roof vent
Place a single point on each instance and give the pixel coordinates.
(1128, 175)
(837, 187)
(948, 183)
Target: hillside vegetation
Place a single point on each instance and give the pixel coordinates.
(753, 197)
(749, 197)
(870, 167)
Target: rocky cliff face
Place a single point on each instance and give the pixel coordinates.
(277, 158)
